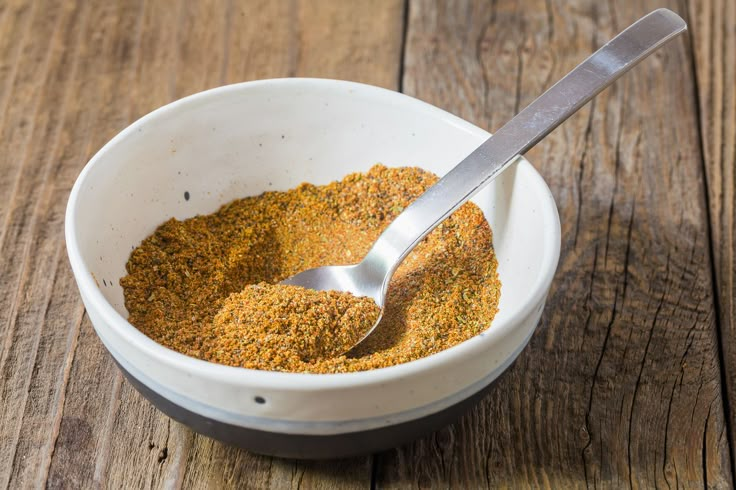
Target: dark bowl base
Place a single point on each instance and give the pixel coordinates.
(302, 446)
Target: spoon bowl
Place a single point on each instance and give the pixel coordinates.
(355, 279)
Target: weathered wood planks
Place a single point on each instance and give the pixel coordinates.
(713, 36)
(620, 386)
(72, 74)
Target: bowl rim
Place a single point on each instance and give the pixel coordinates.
(305, 381)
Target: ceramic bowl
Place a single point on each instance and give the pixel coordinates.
(195, 154)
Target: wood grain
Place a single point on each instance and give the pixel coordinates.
(32, 249)
(72, 74)
(713, 35)
(620, 386)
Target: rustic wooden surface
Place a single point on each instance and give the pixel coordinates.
(713, 26)
(630, 378)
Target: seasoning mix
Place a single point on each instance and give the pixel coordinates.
(207, 286)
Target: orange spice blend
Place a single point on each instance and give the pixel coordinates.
(206, 286)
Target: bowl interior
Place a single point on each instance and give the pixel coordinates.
(192, 156)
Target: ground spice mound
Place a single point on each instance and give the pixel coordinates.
(185, 281)
(272, 326)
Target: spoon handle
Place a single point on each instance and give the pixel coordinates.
(518, 135)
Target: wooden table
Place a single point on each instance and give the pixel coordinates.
(630, 379)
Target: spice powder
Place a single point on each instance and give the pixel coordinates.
(206, 286)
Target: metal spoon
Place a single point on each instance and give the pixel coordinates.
(371, 276)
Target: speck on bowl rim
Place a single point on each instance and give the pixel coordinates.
(302, 382)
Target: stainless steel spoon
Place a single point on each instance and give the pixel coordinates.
(371, 276)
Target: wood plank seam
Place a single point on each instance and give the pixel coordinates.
(402, 46)
(722, 358)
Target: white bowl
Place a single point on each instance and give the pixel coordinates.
(241, 140)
